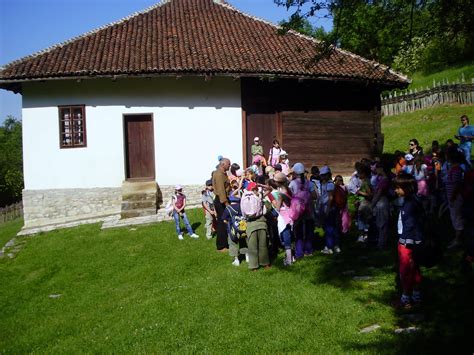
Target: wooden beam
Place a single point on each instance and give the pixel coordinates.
(244, 138)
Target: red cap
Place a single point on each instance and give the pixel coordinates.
(252, 185)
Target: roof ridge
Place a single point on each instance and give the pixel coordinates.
(315, 40)
(68, 41)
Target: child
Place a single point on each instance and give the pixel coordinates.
(252, 209)
(329, 212)
(408, 168)
(400, 162)
(235, 239)
(274, 154)
(257, 151)
(340, 199)
(284, 163)
(364, 211)
(315, 190)
(258, 169)
(380, 205)
(304, 226)
(281, 199)
(409, 237)
(208, 206)
(179, 204)
(234, 172)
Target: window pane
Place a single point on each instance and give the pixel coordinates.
(78, 139)
(72, 126)
(67, 141)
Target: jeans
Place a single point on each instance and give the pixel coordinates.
(186, 222)
(304, 235)
(332, 228)
(285, 237)
(466, 149)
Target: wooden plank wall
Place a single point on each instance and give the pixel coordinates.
(334, 138)
(322, 121)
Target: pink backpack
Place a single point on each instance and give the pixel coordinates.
(250, 205)
(300, 202)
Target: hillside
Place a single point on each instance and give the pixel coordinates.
(438, 123)
(453, 75)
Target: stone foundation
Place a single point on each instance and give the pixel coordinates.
(49, 207)
(46, 210)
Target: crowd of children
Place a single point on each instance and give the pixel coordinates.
(273, 205)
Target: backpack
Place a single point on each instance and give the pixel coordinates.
(251, 205)
(340, 197)
(300, 203)
(238, 225)
(169, 207)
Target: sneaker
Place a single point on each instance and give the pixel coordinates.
(194, 235)
(361, 239)
(236, 262)
(209, 237)
(326, 251)
(401, 305)
(247, 257)
(180, 237)
(337, 250)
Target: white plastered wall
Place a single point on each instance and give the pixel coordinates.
(194, 122)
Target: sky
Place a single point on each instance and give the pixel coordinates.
(28, 26)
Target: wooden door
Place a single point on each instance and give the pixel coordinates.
(264, 126)
(139, 147)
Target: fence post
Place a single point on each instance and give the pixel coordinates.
(9, 213)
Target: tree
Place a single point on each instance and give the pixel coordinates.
(11, 161)
(383, 30)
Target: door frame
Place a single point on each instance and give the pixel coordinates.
(125, 145)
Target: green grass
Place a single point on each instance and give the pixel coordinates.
(438, 123)
(9, 230)
(140, 290)
(454, 74)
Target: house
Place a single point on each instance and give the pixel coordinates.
(151, 100)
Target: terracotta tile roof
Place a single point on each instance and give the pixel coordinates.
(193, 37)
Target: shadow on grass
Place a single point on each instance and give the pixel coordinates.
(444, 323)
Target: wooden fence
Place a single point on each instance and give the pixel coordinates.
(439, 94)
(11, 212)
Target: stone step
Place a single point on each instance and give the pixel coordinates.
(139, 197)
(138, 213)
(137, 205)
(133, 187)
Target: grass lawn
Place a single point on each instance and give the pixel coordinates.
(453, 74)
(141, 290)
(438, 123)
(9, 230)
